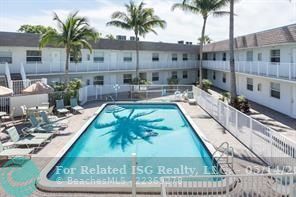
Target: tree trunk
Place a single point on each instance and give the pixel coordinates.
(66, 80)
(231, 54)
(201, 50)
(137, 59)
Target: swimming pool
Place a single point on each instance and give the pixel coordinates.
(164, 140)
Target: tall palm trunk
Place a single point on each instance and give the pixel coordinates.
(66, 80)
(201, 50)
(231, 51)
(137, 59)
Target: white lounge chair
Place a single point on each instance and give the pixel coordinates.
(74, 105)
(53, 122)
(60, 107)
(15, 152)
(29, 140)
(191, 99)
(178, 96)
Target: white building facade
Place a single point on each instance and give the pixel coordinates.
(265, 67)
(111, 61)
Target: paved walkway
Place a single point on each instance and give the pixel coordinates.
(212, 130)
(271, 118)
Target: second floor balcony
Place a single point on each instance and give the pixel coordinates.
(44, 68)
(279, 70)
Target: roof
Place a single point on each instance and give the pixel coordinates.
(32, 40)
(281, 35)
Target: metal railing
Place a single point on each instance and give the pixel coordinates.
(131, 92)
(272, 147)
(89, 66)
(267, 69)
(231, 185)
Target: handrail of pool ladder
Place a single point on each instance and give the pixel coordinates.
(111, 98)
(226, 151)
(134, 174)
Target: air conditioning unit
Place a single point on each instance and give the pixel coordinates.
(181, 42)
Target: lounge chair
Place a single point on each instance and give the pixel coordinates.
(29, 140)
(15, 152)
(52, 122)
(74, 105)
(178, 96)
(60, 107)
(191, 99)
(42, 128)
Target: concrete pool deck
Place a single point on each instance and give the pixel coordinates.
(215, 133)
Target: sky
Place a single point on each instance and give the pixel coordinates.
(251, 16)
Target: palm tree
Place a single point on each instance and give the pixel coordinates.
(233, 93)
(207, 40)
(138, 19)
(73, 34)
(205, 8)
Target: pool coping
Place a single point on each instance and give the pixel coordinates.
(43, 183)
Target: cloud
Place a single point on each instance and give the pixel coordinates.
(252, 16)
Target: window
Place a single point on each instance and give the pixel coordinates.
(99, 80)
(275, 90)
(214, 56)
(214, 75)
(76, 59)
(275, 55)
(88, 57)
(143, 76)
(127, 57)
(185, 56)
(155, 57)
(224, 78)
(174, 57)
(250, 84)
(185, 74)
(5, 57)
(127, 78)
(155, 76)
(259, 57)
(34, 56)
(224, 57)
(249, 56)
(99, 57)
(174, 75)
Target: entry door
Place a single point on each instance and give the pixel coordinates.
(56, 61)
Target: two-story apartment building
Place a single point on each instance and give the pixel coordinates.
(265, 66)
(112, 61)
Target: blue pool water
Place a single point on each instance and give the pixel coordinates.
(160, 135)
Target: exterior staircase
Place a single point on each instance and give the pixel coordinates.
(18, 84)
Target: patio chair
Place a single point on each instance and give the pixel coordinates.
(15, 152)
(178, 96)
(9, 117)
(191, 99)
(60, 107)
(38, 126)
(74, 105)
(53, 123)
(25, 141)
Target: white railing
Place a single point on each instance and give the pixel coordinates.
(19, 85)
(8, 77)
(282, 184)
(267, 69)
(269, 145)
(130, 92)
(5, 104)
(50, 67)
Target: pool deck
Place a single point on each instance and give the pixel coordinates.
(215, 133)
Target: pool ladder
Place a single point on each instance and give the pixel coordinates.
(224, 155)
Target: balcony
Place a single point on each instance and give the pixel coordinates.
(286, 71)
(88, 67)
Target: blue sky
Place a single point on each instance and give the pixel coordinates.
(253, 15)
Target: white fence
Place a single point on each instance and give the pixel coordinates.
(268, 144)
(130, 92)
(231, 185)
(19, 85)
(268, 69)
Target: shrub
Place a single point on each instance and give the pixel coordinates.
(242, 104)
(173, 81)
(225, 97)
(206, 85)
(137, 81)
